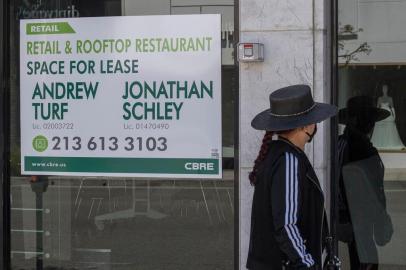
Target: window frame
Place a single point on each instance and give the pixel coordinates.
(5, 229)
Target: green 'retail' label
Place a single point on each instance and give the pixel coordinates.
(49, 28)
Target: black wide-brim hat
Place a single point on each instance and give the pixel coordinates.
(292, 107)
(362, 106)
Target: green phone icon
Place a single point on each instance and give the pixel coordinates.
(40, 143)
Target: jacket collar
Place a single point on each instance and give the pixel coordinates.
(310, 174)
(291, 144)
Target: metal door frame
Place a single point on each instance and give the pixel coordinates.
(331, 19)
(4, 134)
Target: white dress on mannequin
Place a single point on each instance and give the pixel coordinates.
(386, 135)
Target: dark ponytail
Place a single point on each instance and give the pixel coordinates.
(263, 152)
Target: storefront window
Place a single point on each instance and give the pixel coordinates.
(61, 222)
(373, 134)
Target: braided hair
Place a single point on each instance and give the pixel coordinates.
(263, 152)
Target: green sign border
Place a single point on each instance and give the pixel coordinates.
(118, 165)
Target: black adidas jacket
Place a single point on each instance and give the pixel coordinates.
(288, 222)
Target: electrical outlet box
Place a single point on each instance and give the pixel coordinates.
(250, 52)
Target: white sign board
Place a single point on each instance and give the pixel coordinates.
(121, 96)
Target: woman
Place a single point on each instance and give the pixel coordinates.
(288, 222)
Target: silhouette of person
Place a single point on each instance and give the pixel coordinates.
(363, 220)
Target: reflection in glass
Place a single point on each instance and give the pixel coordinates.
(102, 223)
(372, 63)
(363, 219)
(386, 135)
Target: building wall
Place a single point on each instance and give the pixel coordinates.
(294, 36)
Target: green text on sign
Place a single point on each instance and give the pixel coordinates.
(49, 28)
(122, 165)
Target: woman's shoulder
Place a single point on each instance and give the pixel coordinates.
(282, 154)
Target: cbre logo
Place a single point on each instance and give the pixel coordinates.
(199, 166)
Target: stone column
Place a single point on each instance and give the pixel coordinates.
(294, 36)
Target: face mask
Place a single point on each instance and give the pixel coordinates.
(311, 136)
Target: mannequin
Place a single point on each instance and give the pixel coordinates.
(386, 135)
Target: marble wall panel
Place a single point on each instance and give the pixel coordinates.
(276, 15)
(288, 60)
(295, 52)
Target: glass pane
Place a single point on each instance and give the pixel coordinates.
(123, 223)
(373, 134)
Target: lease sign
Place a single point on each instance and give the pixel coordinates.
(121, 96)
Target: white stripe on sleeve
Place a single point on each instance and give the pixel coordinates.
(291, 200)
